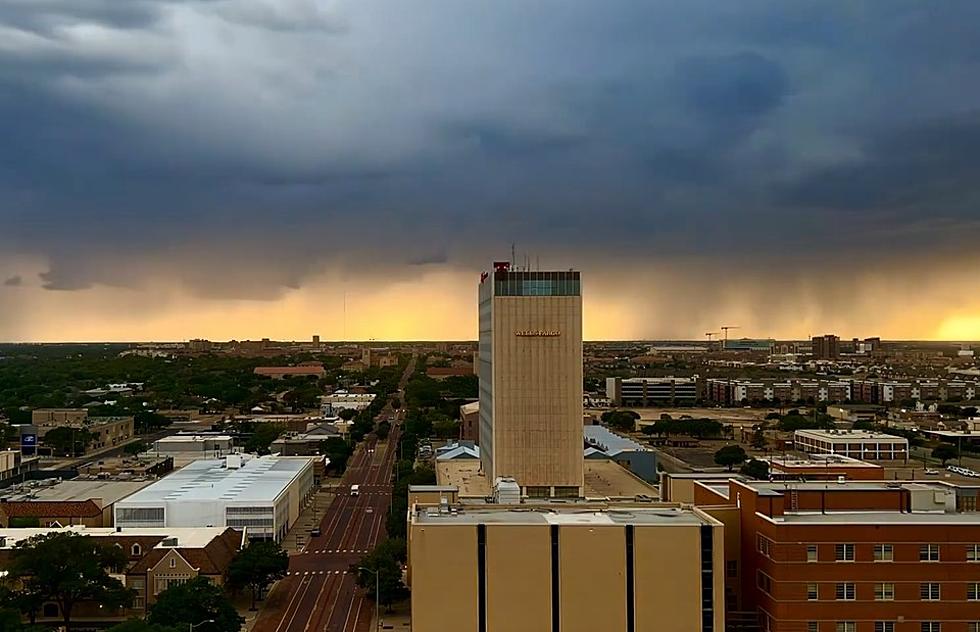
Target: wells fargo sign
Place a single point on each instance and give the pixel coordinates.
(537, 333)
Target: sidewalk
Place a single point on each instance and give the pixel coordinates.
(299, 534)
(399, 619)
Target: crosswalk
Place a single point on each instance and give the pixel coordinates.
(323, 551)
(299, 573)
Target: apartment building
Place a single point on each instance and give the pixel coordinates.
(731, 392)
(573, 568)
(652, 391)
(868, 556)
(826, 347)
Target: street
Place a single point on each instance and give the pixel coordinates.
(320, 592)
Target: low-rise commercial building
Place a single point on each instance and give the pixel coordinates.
(868, 556)
(15, 465)
(859, 444)
(331, 405)
(500, 568)
(652, 391)
(54, 417)
(606, 444)
(263, 494)
(469, 427)
(833, 467)
(109, 431)
(204, 445)
(55, 503)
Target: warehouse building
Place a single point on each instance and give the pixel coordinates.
(264, 494)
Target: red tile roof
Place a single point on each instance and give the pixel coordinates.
(51, 509)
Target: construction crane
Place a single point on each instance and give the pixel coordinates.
(725, 329)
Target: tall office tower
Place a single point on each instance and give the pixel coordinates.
(826, 347)
(531, 380)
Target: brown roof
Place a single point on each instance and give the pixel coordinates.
(51, 509)
(213, 559)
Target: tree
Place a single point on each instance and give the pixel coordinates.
(384, 427)
(263, 436)
(147, 421)
(759, 438)
(730, 456)
(945, 452)
(338, 451)
(445, 428)
(192, 602)
(140, 625)
(68, 568)
(134, 448)
(622, 420)
(386, 560)
(756, 468)
(347, 414)
(256, 566)
(67, 441)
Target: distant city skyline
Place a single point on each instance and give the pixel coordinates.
(173, 169)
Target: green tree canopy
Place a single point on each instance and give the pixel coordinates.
(256, 566)
(192, 602)
(134, 448)
(622, 420)
(65, 441)
(730, 456)
(756, 468)
(944, 452)
(69, 568)
(338, 451)
(263, 436)
(385, 560)
(141, 625)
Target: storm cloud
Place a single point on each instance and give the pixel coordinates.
(249, 149)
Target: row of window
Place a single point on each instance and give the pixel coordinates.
(889, 626)
(884, 591)
(881, 552)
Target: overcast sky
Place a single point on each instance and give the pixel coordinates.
(246, 168)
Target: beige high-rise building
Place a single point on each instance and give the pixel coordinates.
(530, 368)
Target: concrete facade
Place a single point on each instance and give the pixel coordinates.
(531, 380)
(578, 569)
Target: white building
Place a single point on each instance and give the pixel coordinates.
(858, 444)
(332, 404)
(261, 494)
(213, 445)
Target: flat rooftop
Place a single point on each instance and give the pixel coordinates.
(259, 479)
(109, 491)
(191, 537)
(849, 486)
(850, 435)
(192, 438)
(551, 516)
(602, 479)
(821, 460)
(881, 517)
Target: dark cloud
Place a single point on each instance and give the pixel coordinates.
(13, 281)
(241, 147)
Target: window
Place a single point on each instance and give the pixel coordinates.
(845, 592)
(973, 591)
(844, 553)
(136, 550)
(173, 562)
(884, 553)
(884, 592)
(764, 582)
(137, 583)
(931, 626)
(139, 602)
(811, 552)
(929, 553)
(811, 592)
(731, 568)
(973, 552)
(764, 545)
(929, 592)
(812, 626)
(845, 626)
(973, 626)
(884, 626)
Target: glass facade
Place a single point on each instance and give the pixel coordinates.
(536, 283)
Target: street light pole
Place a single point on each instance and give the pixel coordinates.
(191, 626)
(377, 593)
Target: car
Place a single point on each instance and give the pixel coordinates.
(932, 472)
(355, 490)
(369, 510)
(314, 533)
